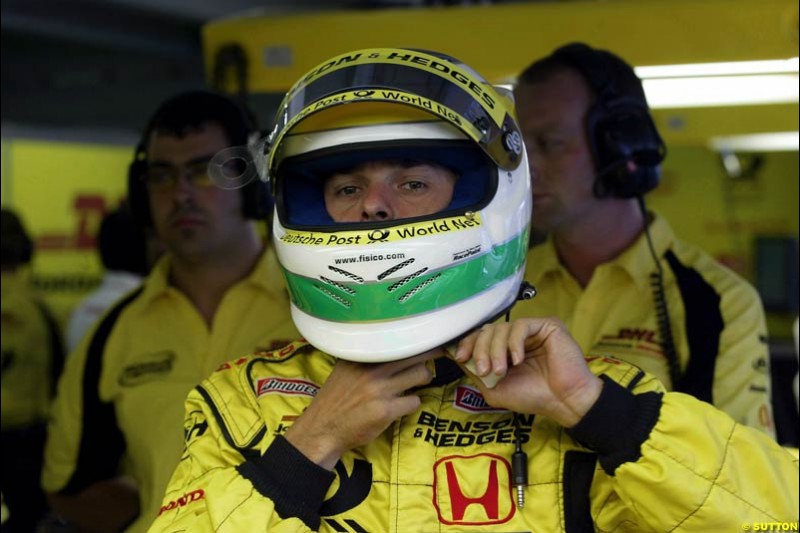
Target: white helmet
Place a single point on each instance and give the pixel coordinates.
(385, 290)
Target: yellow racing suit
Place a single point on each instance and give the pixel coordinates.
(640, 460)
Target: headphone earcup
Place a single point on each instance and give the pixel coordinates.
(255, 200)
(138, 198)
(621, 130)
(618, 125)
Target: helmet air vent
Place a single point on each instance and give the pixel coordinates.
(354, 277)
(394, 286)
(346, 303)
(394, 269)
(419, 287)
(338, 285)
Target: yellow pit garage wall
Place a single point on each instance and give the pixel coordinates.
(61, 190)
(268, 53)
(264, 54)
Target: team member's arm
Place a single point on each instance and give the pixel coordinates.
(107, 505)
(675, 461)
(83, 451)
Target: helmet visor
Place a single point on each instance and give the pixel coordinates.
(445, 89)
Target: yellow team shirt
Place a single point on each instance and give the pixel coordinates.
(31, 355)
(119, 407)
(716, 317)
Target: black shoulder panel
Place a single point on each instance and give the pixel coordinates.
(102, 443)
(704, 325)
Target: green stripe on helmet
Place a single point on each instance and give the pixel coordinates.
(342, 301)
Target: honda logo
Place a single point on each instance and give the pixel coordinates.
(473, 490)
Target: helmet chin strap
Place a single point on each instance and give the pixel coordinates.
(526, 292)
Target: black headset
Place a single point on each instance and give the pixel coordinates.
(618, 125)
(255, 194)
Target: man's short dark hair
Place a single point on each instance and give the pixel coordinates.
(122, 243)
(600, 68)
(189, 111)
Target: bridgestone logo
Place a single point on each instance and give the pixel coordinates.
(469, 399)
(292, 387)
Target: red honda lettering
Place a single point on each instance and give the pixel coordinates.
(184, 500)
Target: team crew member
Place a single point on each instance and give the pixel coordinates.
(400, 227)
(115, 435)
(593, 151)
(123, 248)
(32, 360)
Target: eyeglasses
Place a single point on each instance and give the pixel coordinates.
(160, 176)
